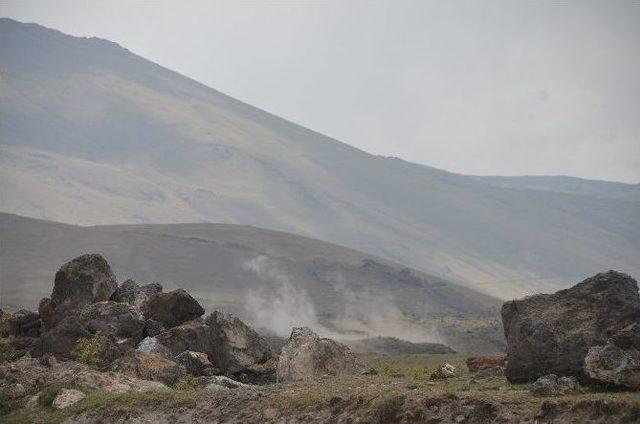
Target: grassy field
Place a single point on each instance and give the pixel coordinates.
(402, 391)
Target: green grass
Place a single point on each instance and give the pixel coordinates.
(309, 401)
(187, 383)
(371, 398)
(131, 402)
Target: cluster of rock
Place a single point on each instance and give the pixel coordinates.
(589, 333)
(143, 332)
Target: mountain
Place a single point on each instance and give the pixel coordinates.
(274, 280)
(92, 134)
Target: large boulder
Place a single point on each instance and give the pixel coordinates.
(552, 333)
(132, 293)
(614, 366)
(236, 346)
(84, 280)
(192, 335)
(307, 356)
(173, 308)
(121, 321)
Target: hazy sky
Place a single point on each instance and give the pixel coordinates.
(477, 87)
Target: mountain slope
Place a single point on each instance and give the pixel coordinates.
(93, 134)
(273, 279)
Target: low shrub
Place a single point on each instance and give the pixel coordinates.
(88, 350)
(187, 383)
(7, 352)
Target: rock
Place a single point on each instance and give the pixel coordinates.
(489, 373)
(152, 328)
(48, 360)
(215, 382)
(552, 385)
(61, 340)
(84, 280)
(130, 292)
(173, 308)
(17, 390)
(477, 363)
(552, 333)
(236, 346)
(367, 370)
(443, 372)
(23, 323)
(150, 366)
(192, 335)
(67, 397)
(307, 356)
(196, 363)
(33, 403)
(152, 345)
(628, 337)
(613, 365)
(47, 313)
(69, 336)
(118, 320)
(34, 376)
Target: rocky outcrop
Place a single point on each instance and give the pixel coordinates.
(22, 323)
(121, 321)
(306, 356)
(173, 308)
(133, 294)
(61, 340)
(552, 333)
(612, 365)
(236, 346)
(31, 374)
(477, 363)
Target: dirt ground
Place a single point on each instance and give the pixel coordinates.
(401, 392)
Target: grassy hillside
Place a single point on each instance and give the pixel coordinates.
(91, 134)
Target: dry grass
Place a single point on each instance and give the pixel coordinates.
(401, 384)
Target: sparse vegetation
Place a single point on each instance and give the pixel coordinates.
(308, 401)
(187, 383)
(388, 409)
(7, 352)
(88, 350)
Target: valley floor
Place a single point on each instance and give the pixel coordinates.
(401, 392)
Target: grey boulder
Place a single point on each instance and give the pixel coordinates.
(307, 356)
(132, 293)
(173, 308)
(236, 346)
(119, 320)
(552, 333)
(614, 366)
(84, 280)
